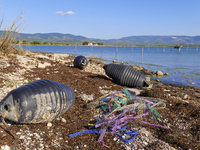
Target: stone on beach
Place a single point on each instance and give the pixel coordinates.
(138, 67)
(3, 64)
(166, 74)
(114, 62)
(44, 65)
(59, 56)
(159, 73)
(183, 96)
(148, 79)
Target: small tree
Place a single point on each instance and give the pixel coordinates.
(24, 42)
(100, 43)
(85, 43)
(45, 43)
(35, 42)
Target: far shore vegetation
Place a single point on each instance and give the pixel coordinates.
(86, 43)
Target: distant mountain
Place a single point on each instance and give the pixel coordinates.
(51, 37)
(163, 39)
(69, 38)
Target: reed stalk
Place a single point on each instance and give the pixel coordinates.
(10, 34)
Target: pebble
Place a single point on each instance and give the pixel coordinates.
(21, 137)
(63, 120)
(5, 147)
(159, 73)
(157, 80)
(145, 143)
(18, 133)
(148, 79)
(182, 95)
(49, 124)
(166, 74)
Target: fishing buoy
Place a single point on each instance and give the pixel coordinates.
(41, 101)
(80, 62)
(125, 75)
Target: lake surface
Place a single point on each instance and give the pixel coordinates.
(183, 67)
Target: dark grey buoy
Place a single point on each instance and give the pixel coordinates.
(41, 101)
(125, 75)
(80, 62)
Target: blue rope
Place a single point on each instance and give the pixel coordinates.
(128, 132)
(98, 131)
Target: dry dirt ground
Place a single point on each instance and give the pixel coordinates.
(181, 114)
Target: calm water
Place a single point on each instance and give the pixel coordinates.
(183, 67)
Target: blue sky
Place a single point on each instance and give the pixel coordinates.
(105, 19)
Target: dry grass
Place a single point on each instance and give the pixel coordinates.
(10, 34)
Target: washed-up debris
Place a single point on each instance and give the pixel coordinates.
(86, 98)
(80, 62)
(41, 101)
(120, 109)
(182, 95)
(125, 75)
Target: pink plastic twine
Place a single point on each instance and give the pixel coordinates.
(156, 125)
(101, 137)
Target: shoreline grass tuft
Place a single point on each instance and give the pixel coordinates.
(10, 34)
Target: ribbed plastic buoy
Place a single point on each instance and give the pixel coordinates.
(80, 62)
(41, 101)
(125, 75)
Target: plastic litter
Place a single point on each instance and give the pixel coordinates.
(128, 132)
(98, 131)
(41, 101)
(125, 75)
(80, 62)
(121, 108)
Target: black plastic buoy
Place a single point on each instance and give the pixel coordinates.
(125, 75)
(41, 101)
(80, 62)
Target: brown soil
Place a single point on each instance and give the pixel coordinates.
(78, 117)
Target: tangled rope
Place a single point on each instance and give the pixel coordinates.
(119, 109)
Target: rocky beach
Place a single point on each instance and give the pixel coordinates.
(181, 111)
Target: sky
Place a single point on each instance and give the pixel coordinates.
(104, 19)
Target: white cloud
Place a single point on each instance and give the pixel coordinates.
(64, 14)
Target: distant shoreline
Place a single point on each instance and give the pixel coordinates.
(99, 45)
